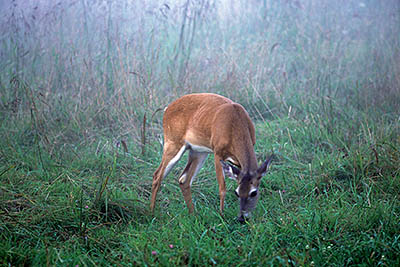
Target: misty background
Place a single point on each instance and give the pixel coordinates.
(83, 85)
(105, 64)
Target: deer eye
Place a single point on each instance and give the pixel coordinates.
(253, 193)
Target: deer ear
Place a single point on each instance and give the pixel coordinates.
(229, 170)
(264, 167)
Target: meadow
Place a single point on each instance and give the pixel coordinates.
(82, 89)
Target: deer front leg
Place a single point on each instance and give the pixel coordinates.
(221, 182)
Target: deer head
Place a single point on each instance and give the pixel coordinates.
(248, 183)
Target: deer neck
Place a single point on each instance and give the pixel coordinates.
(247, 158)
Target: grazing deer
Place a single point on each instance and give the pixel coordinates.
(210, 123)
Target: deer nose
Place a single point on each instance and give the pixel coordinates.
(242, 219)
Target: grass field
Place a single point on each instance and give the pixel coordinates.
(81, 92)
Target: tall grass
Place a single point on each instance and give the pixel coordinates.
(82, 86)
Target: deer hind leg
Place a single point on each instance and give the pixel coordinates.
(195, 162)
(171, 155)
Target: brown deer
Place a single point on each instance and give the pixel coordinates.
(209, 123)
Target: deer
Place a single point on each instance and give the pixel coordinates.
(207, 123)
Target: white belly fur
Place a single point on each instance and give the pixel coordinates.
(201, 149)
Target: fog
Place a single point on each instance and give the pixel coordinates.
(167, 48)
